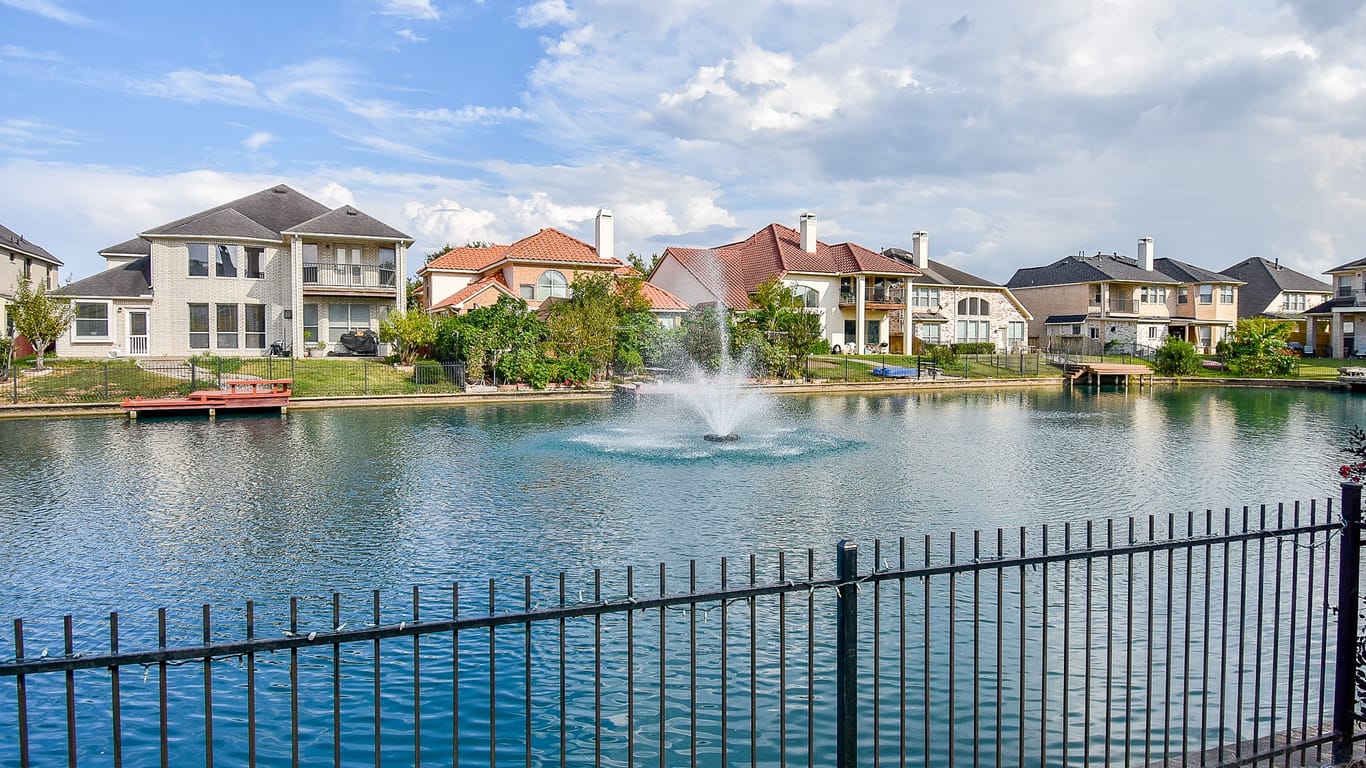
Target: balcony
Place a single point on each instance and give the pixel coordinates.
(353, 279)
(889, 296)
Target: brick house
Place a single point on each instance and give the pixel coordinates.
(272, 266)
(20, 258)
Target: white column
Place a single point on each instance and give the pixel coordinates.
(1308, 335)
(401, 275)
(860, 315)
(908, 327)
(296, 295)
(1335, 335)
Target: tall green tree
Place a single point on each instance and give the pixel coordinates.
(1257, 347)
(38, 317)
(410, 332)
(701, 338)
(504, 339)
(585, 324)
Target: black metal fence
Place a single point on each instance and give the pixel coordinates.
(1209, 639)
(103, 381)
(920, 367)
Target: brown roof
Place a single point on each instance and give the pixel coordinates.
(550, 245)
(776, 250)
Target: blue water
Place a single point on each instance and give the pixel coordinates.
(101, 515)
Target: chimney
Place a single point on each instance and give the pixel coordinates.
(920, 248)
(604, 235)
(808, 228)
(1145, 253)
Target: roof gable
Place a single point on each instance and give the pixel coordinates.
(1087, 269)
(348, 221)
(490, 283)
(228, 223)
(546, 246)
(138, 246)
(129, 280)
(1265, 280)
(16, 242)
(1190, 273)
(275, 209)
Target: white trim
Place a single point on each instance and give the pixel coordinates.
(108, 323)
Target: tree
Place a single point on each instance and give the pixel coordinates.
(640, 264)
(411, 332)
(703, 327)
(584, 325)
(39, 317)
(1257, 348)
(503, 339)
(1176, 357)
(778, 330)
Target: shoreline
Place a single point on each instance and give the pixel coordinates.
(87, 410)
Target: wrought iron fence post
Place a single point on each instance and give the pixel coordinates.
(106, 379)
(846, 649)
(365, 376)
(1349, 598)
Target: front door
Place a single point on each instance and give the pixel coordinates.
(137, 331)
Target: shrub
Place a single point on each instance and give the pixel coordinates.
(974, 348)
(1176, 357)
(942, 355)
(216, 364)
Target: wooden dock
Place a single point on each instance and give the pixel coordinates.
(1111, 373)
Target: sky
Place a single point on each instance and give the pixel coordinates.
(1013, 133)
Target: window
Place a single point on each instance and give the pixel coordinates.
(1344, 285)
(254, 323)
(311, 322)
(1152, 331)
(974, 306)
(1225, 294)
(1206, 294)
(1295, 302)
(1015, 334)
(92, 320)
(1153, 294)
(199, 259)
(1076, 330)
(227, 326)
(925, 297)
(1204, 333)
(225, 260)
(809, 296)
(343, 318)
(387, 259)
(348, 267)
(528, 291)
(850, 331)
(1096, 298)
(874, 333)
(929, 332)
(1183, 295)
(1095, 332)
(552, 283)
(253, 265)
(199, 326)
(310, 262)
(971, 331)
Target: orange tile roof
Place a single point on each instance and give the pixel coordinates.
(548, 245)
(661, 300)
(494, 281)
(776, 250)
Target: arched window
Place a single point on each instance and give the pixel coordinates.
(974, 306)
(552, 283)
(810, 297)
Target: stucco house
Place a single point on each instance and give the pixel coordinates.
(950, 306)
(20, 258)
(1276, 291)
(1341, 314)
(1087, 301)
(272, 266)
(1204, 306)
(538, 268)
(862, 297)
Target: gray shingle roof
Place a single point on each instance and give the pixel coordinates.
(129, 280)
(1189, 273)
(275, 209)
(1326, 308)
(939, 273)
(1057, 319)
(1087, 269)
(347, 221)
(1348, 265)
(136, 247)
(16, 242)
(1266, 280)
(225, 223)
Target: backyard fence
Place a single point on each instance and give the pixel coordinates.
(1209, 639)
(921, 368)
(104, 381)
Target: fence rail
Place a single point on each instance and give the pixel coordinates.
(1213, 639)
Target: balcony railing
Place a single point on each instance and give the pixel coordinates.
(1124, 305)
(350, 275)
(893, 295)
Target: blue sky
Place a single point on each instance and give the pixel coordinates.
(1013, 133)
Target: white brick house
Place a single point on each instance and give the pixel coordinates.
(272, 266)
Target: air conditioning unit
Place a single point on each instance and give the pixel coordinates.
(114, 353)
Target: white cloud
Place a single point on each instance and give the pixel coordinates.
(545, 13)
(50, 10)
(448, 222)
(421, 10)
(19, 52)
(410, 36)
(194, 86)
(257, 140)
(36, 137)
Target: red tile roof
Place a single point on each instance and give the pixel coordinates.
(661, 300)
(549, 245)
(494, 282)
(776, 250)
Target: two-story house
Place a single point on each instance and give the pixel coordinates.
(20, 258)
(1276, 291)
(862, 297)
(536, 268)
(1087, 301)
(1341, 314)
(950, 306)
(272, 266)
(1204, 307)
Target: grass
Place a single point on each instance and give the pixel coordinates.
(860, 367)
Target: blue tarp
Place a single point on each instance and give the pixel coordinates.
(895, 372)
